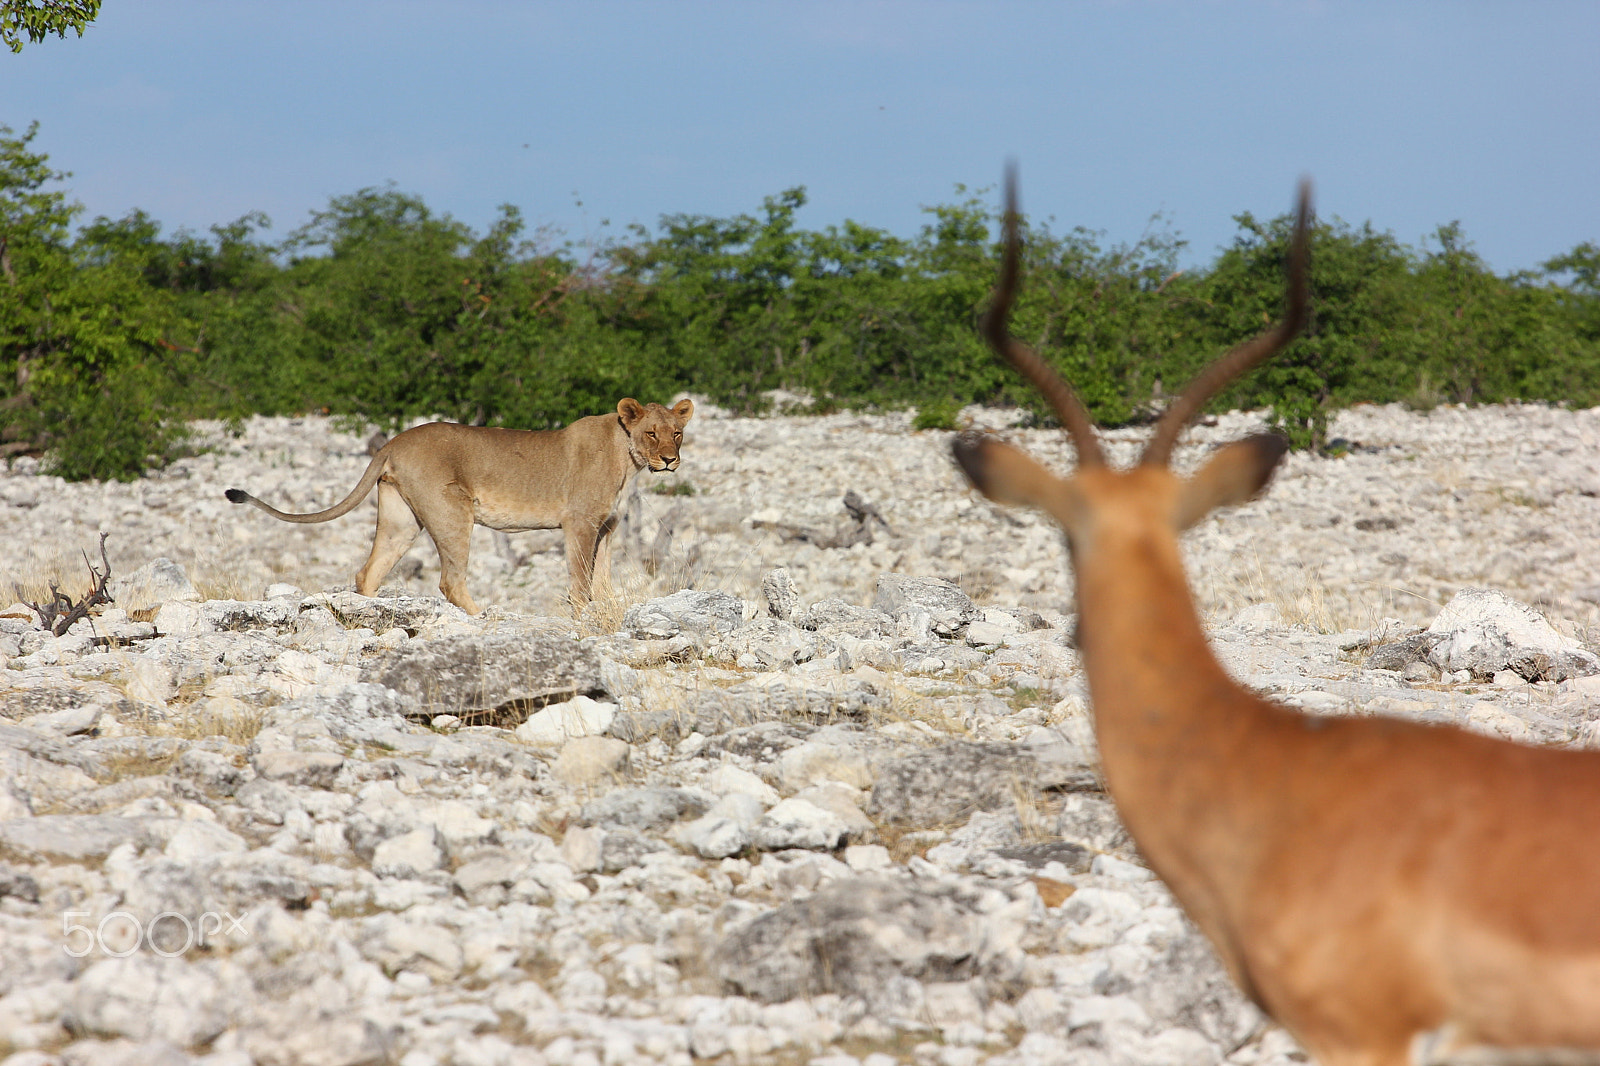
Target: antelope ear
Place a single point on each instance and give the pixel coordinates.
(1234, 474)
(630, 411)
(1005, 474)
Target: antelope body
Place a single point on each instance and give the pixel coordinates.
(1390, 892)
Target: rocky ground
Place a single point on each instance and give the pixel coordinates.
(838, 805)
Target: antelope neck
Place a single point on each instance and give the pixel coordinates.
(1165, 710)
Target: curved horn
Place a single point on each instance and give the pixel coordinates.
(1253, 351)
(1068, 408)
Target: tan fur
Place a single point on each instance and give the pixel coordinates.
(1388, 891)
(445, 477)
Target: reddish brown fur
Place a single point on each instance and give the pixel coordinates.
(1379, 887)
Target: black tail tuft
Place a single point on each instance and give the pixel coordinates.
(237, 495)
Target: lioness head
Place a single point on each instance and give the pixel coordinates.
(654, 432)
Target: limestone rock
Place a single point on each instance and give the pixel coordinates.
(559, 722)
(857, 936)
(944, 785)
(701, 615)
(949, 609)
(590, 760)
(141, 998)
(778, 588)
(1486, 631)
(476, 673)
(157, 582)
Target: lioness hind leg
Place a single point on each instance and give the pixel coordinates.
(397, 528)
(448, 520)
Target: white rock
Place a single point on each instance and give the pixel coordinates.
(715, 836)
(798, 823)
(814, 762)
(728, 778)
(143, 997)
(1119, 869)
(1487, 632)
(557, 723)
(865, 858)
(196, 840)
(983, 633)
(1259, 618)
(155, 583)
(590, 760)
(407, 855)
(181, 619)
(581, 848)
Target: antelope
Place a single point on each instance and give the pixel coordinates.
(1388, 891)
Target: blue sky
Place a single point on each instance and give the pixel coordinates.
(594, 112)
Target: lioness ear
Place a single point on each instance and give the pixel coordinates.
(630, 411)
(684, 409)
(1234, 474)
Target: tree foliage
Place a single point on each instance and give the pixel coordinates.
(114, 334)
(38, 19)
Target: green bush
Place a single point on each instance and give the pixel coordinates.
(937, 414)
(381, 310)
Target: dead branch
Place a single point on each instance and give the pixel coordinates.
(59, 613)
(857, 531)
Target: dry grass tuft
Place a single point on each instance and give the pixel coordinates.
(34, 568)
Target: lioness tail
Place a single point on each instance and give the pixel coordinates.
(343, 507)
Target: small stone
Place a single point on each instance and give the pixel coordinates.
(181, 619)
(1119, 869)
(581, 848)
(590, 760)
(557, 723)
(864, 858)
(408, 854)
(798, 823)
(983, 633)
(778, 588)
(1417, 672)
(727, 779)
(313, 769)
(815, 762)
(948, 610)
(157, 582)
(688, 613)
(715, 836)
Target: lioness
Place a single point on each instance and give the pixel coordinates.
(443, 477)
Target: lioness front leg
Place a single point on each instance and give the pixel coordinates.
(600, 581)
(583, 540)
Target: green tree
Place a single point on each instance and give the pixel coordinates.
(85, 343)
(37, 19)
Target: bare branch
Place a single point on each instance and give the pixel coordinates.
(59, 613)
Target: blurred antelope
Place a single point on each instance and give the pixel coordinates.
(1390, 892)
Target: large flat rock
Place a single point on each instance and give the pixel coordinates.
(484, 673)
